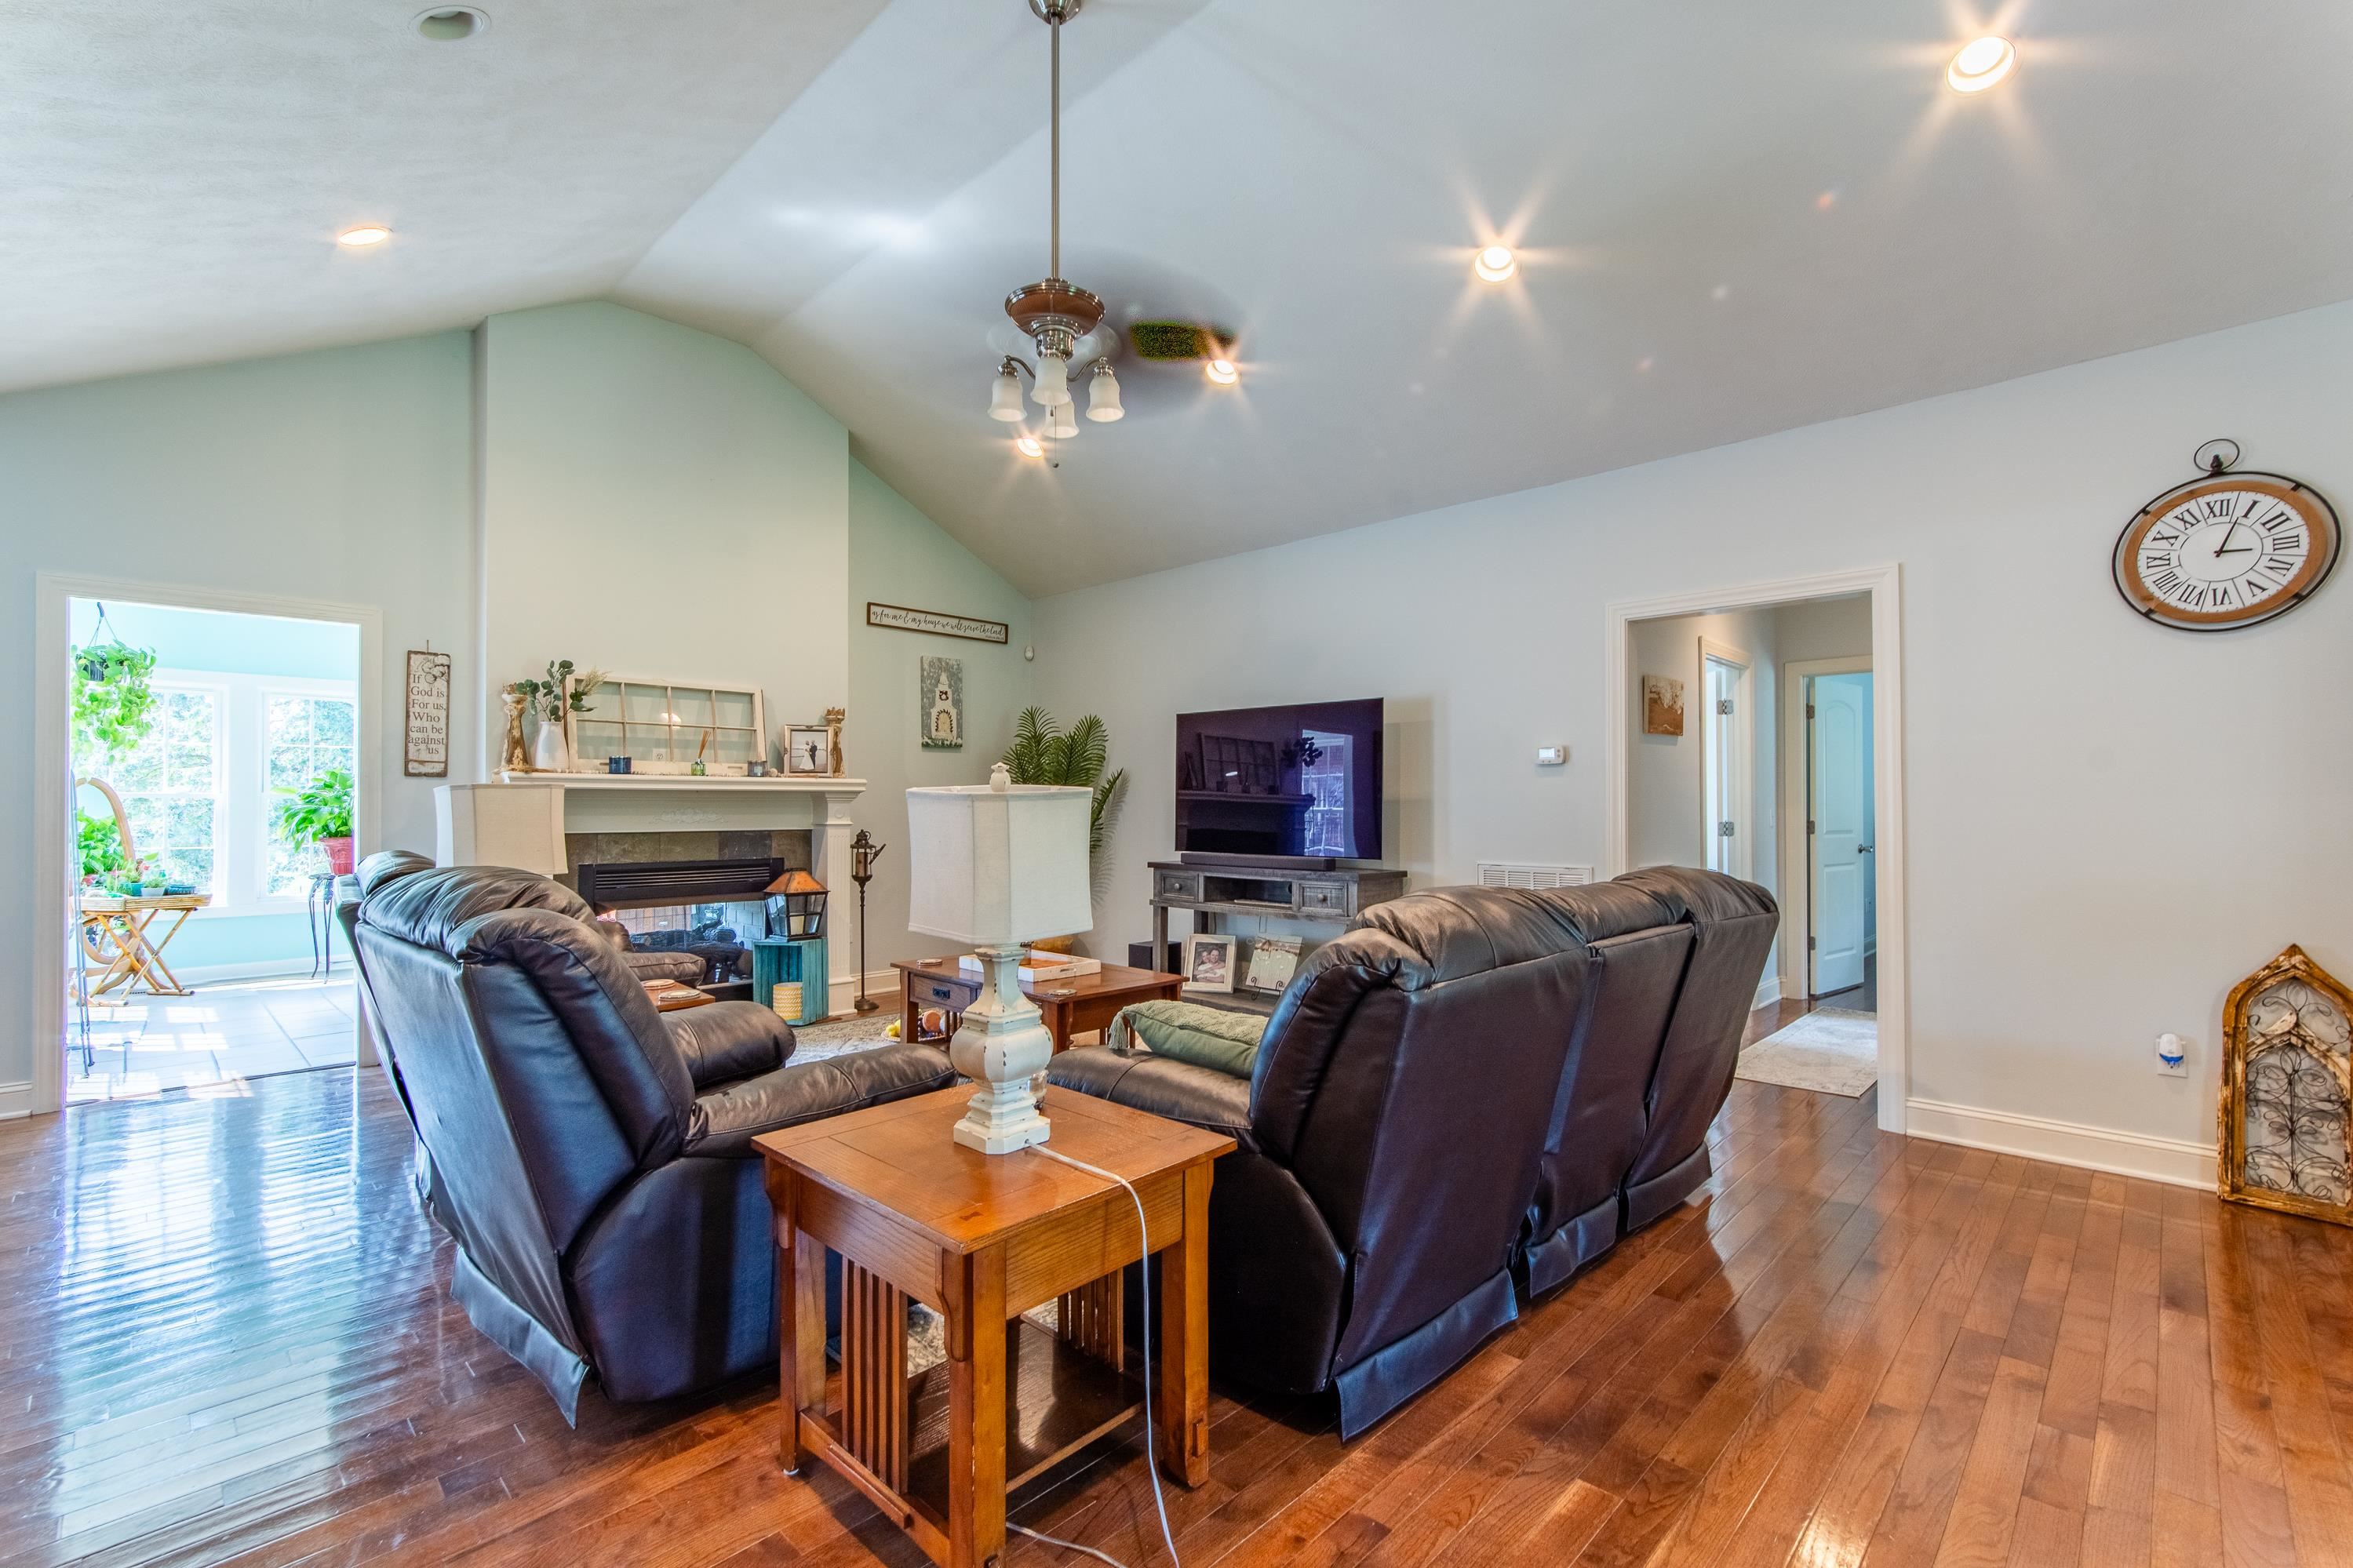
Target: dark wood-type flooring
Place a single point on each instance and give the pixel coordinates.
(225, 1335)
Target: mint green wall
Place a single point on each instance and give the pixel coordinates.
(898, 556)
(345, 475)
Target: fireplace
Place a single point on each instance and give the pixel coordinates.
(700, 893)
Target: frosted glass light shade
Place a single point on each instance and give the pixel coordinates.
(1102, 394)
(1053, 380)
(1005, 398)
(1061, 421)
(998, 868)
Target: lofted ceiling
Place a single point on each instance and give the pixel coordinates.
(1731, 218)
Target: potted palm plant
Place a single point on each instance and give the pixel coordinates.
(321, 813)
(1043, 754)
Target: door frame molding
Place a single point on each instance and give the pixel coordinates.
(1883, 584)
(1744, 751)
(53, 766)
(1798, 891)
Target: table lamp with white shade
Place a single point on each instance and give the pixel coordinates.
(999, 865)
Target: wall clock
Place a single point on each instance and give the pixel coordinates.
(2227, 548)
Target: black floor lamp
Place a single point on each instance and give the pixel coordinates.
(863, 852)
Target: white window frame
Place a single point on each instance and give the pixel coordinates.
(268, 686)
(165, 681)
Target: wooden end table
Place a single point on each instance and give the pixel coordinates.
(1072, 1006)
(982, 1239)
(123, 934)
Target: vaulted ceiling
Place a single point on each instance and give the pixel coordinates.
(1732, 219)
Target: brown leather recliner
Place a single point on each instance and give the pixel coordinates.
(1452, 1093)
(591, 1156)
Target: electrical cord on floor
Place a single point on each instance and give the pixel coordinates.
(1151, 1460)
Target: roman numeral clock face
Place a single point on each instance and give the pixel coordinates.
(2226, 551)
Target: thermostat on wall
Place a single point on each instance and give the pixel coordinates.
(1551, 756)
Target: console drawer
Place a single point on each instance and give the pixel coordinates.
(952, 994)
(1181, 885)
(1324, 898)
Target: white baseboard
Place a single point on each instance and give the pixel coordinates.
(1768, 991)
(16, 1101)
(265, 969)
(2174, 1160)
(881, 986)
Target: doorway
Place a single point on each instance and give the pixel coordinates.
(199, 755)
(1834, 639)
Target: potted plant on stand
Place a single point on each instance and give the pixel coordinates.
(321, 814)
(548, 701)
(1043, 754)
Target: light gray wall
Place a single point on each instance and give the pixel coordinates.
(659, 502)
(2064, 906)
(341, 475)
(898, 556)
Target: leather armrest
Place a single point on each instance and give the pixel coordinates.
(725, 1120)
(683, 967)
(1199, 1096)
(729, 1040)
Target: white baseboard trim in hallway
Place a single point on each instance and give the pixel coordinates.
(16, 1101)
(2174, 1160)
(1768, 991)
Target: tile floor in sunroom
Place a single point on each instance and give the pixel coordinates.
(211, 1040)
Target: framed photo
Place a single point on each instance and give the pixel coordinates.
(808, 749)
(1274, 960)
(1663, 705)
(1209, 962)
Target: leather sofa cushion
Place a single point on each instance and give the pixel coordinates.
(432, 907)
(729, 1040)
(1181, 1091)
(725, 1121)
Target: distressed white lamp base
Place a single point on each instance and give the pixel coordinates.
(1003, 1046)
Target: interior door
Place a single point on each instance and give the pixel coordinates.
(1838, 804)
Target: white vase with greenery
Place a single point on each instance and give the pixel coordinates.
(548, 701)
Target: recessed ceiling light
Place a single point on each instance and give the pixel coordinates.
(1495, 263)
(1981, 63)
(366, 234)
(1029, 447)
(1223, 372)
(452, 24)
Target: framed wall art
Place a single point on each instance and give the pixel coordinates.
(940, 687)
(425, 731)
(1663, 705)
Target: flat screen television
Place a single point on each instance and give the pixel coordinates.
(1300, 782)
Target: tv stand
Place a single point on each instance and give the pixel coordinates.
(1211, 888)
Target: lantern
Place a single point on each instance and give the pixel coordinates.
(804, 897)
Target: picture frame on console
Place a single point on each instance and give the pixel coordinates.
(1209, 962)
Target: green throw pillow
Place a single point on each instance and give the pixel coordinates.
(1211, 1037)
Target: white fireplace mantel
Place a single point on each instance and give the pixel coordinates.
(521, 819)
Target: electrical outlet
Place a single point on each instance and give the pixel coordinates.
(2172, 1056)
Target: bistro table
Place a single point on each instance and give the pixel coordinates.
(981, 1239)
(128, 935)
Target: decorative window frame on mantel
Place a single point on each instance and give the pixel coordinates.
(609, 729)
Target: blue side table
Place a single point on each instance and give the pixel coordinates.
(781, 960)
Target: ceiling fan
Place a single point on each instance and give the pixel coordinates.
(1056, 315)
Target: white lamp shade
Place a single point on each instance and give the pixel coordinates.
(1005, 398)
(998, 868)
(1061, 421)
(1102, 394)
(1053, 380)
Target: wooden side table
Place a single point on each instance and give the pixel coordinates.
(122, 933)
(1072, 1006)
(982, 1239)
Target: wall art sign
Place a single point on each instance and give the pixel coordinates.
(425, 734)
(1663, 705)
(940, 691)
(900, 618)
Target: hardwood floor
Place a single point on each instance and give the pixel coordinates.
(225, 1335)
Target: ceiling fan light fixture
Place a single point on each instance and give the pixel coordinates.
(1061, 420)
(1005, 397)
(1053, 389)
(1981, 63)
(1495, 263)
(1223, 372)
(1102, 394)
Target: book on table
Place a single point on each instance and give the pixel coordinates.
(1037, 967)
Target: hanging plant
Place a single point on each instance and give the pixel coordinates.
(113, 705)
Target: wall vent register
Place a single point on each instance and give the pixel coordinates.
(1530, 875)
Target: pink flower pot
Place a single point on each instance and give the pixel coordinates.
(339, 855)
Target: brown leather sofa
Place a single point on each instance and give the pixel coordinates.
(591, 1156)
(1469, 1087)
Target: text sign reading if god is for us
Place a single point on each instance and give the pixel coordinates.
(899, 617)
(424, 743)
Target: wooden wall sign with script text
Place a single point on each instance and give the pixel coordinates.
(900, 618)
(425, 737)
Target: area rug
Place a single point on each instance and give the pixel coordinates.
(1830, 1051)
(840, 1037)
